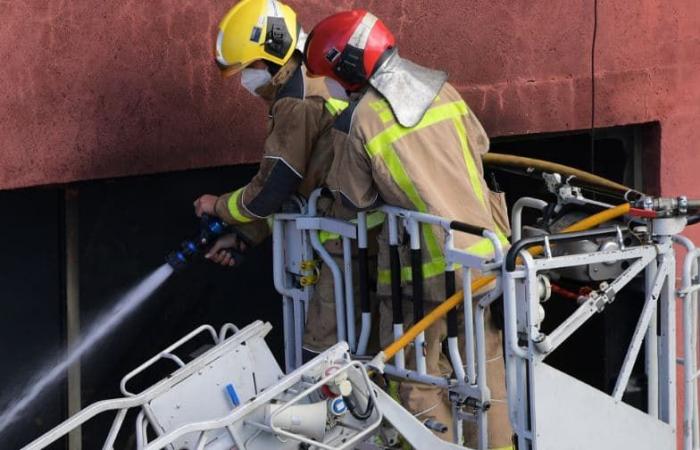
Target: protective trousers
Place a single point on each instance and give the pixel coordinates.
(321, 331)
(430, 402)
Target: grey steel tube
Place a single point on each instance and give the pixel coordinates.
(363, 266)
(396, 294)
(517, 214)
(335, 270)
(349, 294)
(417, 291)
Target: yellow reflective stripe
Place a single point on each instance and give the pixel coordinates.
(401, 178)
(336, 106)
(398, 173)
(434, 249)
(374, 220)
(326, 236)
(233, 207)
(382, 146)
(508, 447)
(379, 105)
(482, 248)
(474, 177)
(384, 276)
(435, 115)
(386, 116)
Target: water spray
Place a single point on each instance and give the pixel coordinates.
(55, 370)
(211, 229)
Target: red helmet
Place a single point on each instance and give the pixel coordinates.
(348, 47)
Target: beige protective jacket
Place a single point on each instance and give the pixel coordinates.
(434, 167)
(297, 152)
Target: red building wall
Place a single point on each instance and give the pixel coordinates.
(103, 89)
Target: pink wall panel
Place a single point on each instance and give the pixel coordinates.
(102, 89)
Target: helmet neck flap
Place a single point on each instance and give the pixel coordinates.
(409, 88)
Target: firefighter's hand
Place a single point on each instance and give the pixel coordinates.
(206, 204)
(220, 253)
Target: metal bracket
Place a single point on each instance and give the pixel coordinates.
(566, 193)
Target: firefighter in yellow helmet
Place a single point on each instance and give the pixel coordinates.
(262, 40)
(408, 139)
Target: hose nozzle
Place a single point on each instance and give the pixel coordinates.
(211, 229)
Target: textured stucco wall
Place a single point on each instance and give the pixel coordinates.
(101, 89)
(104, 89)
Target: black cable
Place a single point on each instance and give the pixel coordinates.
(353, 408)
(694, 219)
(593, 47)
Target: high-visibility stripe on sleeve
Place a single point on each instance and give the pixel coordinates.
(235, 210)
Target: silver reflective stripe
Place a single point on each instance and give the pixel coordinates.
(219, 51)
(301, 40)
(272, 9)
(361, 35)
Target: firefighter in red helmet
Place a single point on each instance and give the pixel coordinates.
(408, 139)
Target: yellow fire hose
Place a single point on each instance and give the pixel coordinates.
(496, 159)
(478, 284)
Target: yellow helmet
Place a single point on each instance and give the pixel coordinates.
(253, 30)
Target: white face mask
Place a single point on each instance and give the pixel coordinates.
(253, 79)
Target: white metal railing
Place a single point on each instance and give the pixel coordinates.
(688, 294)
(141, 400)
(528, 347)
(470, 381)
(655, 261)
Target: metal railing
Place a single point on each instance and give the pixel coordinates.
(470, 380)
(688, 294)
(142, 400)
(655, 261)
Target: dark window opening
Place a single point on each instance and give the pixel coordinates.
(125, 229)
(627, 155)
